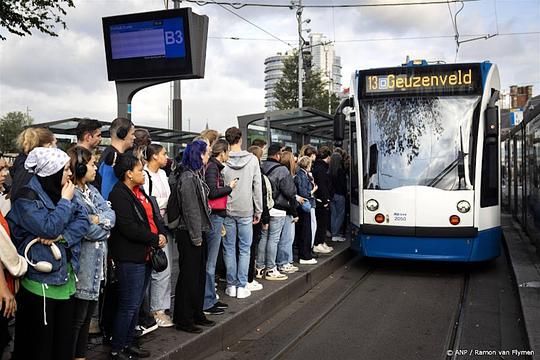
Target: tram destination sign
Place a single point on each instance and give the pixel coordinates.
(457, 79)
(158, 44)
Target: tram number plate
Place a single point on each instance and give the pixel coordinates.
(400, 217)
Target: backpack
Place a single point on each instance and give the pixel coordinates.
(268, 187)
(174, 206)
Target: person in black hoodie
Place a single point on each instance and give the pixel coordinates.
(323, 196)
(218, 204)
(338, 177)
(138, 228)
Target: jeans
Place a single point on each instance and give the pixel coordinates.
(268, 245)
(84, 309)
(337, 213)
(243, 228)
(160, 283)
(313, 225)
(213, 239)
(133, 280)
(285, 250)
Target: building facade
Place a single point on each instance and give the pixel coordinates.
(323, 58)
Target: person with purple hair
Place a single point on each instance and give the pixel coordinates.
(194, 222)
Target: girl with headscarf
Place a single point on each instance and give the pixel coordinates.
(45, 211)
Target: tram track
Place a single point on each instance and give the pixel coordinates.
(457, 330)
(319, 319)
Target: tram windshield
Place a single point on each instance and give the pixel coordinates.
(417, 141)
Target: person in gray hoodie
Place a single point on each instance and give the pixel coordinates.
(244, 208)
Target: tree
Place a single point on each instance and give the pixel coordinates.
(313, 87)
(11, 125)
(21, 16)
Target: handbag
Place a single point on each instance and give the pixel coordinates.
(219, 203)
(159, 260)
(306, 206)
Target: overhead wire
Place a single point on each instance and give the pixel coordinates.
(239, 5)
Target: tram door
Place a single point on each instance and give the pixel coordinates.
(353, 173)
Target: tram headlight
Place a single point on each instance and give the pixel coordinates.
(463, 206)
(372, 205)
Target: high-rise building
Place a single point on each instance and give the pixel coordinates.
(323, 58)
(273, 71)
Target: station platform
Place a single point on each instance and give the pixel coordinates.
(242, 314)
(525, 263)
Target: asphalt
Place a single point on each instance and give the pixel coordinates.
(242, 315)
(525, 263)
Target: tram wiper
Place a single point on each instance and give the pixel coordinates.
(459, 162)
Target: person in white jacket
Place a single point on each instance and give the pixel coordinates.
(156, 184)
(12, 266)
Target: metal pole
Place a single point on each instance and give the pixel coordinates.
(177, 94)
(300, 55)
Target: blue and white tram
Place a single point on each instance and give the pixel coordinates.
(425, 141)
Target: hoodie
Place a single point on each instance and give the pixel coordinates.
(246, 199)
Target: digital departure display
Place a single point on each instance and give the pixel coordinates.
(157, 38)
(431, 79)
(166, 44)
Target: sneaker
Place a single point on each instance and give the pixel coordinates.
(137, 351)
(217, 296)
(242, 293)
(214, 310)
(325, 245)
(295, 268)
(163, 320)
(221, 305)
(338, 239)
(259, 273)
(147, 327)
(254, 285)
(231, 291)
(287, 268)
(274, 274)
(320, 249)
(308, 262)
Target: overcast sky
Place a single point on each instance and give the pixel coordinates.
(65, 76)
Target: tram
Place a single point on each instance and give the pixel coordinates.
(520, 162)
(425, 175)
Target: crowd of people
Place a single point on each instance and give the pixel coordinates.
(86, 238)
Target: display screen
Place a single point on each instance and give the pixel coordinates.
(157, 38)
(435, 79)
(155, 45)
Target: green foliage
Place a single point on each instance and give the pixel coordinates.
(314, 93)
(21, 16)
(11, 125)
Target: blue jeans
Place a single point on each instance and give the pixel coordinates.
(243, 228)
(213, 241)
(285, 250)
(160, 283)
(337, 213)
(132, 282)
(268, 246)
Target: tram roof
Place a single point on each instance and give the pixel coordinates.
(305, 121)
(68, 127)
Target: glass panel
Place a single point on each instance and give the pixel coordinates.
(417, 141)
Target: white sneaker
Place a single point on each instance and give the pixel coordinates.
(338, 239)
(231, 291)
(320, 249)
(217, 296)
(163, 320)
(325, 245)
(295, 268)
(274, 274)
(254, 285)
(242, 293)
(259, 273)
(308, 262)
(287, 268)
